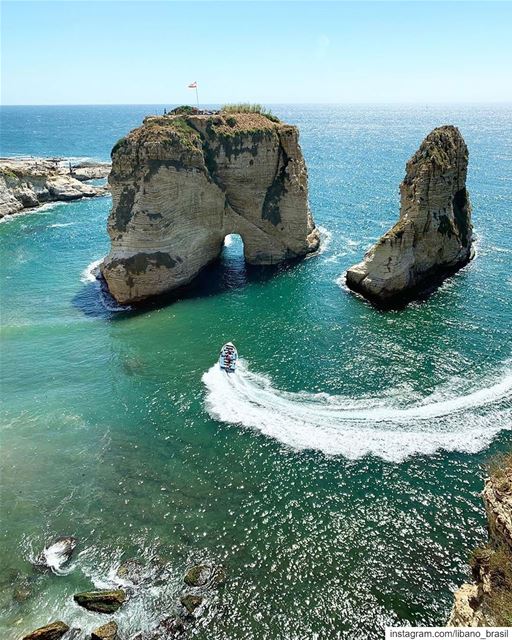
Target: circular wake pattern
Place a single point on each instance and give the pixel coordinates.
(393, 427)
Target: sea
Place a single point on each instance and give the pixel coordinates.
(336, 477)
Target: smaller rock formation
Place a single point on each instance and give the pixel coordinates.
(202, 574)
(131, 570)
(166, 629)
(487, 601)
(22, 590)
(53, 631)
(26, 183)
(191, 603)
(105, 632)
(101, 600)
(433, 236)
(182, 183)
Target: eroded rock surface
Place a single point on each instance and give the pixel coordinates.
(433, 236)
(487, 601)
(181, 183)
(26, 183)
(53, 631)
(105, 632)
(101, 600)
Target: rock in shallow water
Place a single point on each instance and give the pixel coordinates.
(433, 237)
(191, 602)
(105, 632)
(203, 574)
(101, 600)
(53, 631)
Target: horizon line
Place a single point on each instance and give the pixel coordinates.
(207, 104)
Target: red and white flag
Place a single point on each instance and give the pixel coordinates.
(192, 85)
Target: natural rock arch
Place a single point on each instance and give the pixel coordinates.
(182, 183)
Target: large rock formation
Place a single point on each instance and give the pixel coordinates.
(433, 237)
(26, 183)
(181, 183)
(487, 601)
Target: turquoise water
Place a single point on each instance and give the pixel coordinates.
(336, 476)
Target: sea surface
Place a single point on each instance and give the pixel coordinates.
(336, 476)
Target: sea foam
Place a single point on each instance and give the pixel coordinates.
(353, 427)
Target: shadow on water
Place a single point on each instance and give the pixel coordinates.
(228, 273)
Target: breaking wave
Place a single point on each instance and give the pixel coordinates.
(91, 272)
(92, 275)
(389, 427)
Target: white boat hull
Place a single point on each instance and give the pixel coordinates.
(228, 358)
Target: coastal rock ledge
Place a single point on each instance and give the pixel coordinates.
(487, 600)
(433, 236)
(26, 183)
(182, 182)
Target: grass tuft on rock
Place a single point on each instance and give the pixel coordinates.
(246, 107)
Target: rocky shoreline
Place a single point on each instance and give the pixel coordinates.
(29, 182)
(487, 600)
(199, 584)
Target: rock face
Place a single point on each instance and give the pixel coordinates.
(52, 631)
(487, 601)
(26, 183)
(102, 600)
(105, 632)
(181, 183)
(433, 237)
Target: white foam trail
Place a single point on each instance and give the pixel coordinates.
(61, 224)
(354, 427)
(92, 271)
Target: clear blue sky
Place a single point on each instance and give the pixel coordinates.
(147, 52)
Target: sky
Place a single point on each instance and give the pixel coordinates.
(129, 52)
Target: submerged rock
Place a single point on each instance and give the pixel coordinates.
(29, 182)
(22, 590)
(105, 632)
(56, 554)
(202, 574)
(167, 628)
(101, 600)
(52, 631)
(181, 183)
(191, 602)
(433, 237)
(132, 570)
(197, 576)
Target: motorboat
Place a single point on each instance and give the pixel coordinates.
(228, 357)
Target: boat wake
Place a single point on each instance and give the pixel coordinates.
(390, 427)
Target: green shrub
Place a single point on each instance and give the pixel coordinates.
(246, 107)
(184, 110)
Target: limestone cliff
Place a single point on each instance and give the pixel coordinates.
(433, 236)
(487, 601)
(180, 183)
(26, 183)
